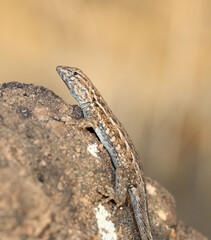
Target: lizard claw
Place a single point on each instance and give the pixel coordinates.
(62, 119)
(110, 195)
(57, 118)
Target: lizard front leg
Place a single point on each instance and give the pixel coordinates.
(81, 123)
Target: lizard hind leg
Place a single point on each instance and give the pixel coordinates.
(110, 195)
(119, 194)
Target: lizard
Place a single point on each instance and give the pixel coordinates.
(129, 175)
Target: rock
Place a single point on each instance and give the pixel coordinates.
(49, 173)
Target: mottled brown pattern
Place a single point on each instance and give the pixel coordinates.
(129, 171)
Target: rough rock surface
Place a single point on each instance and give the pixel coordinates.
(49, 173)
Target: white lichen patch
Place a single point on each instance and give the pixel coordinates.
(162, 214)
(151, 189)
(106, 227)
(93, 149)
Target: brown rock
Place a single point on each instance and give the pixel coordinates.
(49, 173)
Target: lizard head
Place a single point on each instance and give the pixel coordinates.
(77, 82)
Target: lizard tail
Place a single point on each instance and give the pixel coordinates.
(141, 214)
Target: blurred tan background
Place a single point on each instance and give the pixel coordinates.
(151, 61)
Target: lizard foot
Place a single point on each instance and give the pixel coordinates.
(110, 195)
(81, 123)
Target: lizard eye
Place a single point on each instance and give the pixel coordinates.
(75, 73)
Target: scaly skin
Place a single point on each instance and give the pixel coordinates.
(129, 170)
